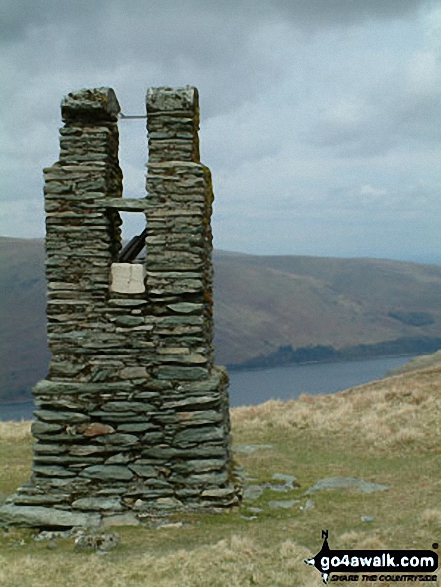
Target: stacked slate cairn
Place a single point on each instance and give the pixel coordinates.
(132, 420)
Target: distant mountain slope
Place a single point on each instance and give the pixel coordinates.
(261, 304)
(24, 354)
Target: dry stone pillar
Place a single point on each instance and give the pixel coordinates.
(133, 418)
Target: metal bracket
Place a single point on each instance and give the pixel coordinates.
(124, 117)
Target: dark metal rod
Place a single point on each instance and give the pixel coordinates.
(121, 115)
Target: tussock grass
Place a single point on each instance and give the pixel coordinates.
(402, 411)
(237, 561)
(386, 432)
(15, 431)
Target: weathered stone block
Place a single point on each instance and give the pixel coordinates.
(99, 504)
(44, 427)
(143, 470)
(97, 104)
(181, 373)
(199, 435)
(46, 517)
(65, 417)
(127, 278)
(118, 439)
(107, 473)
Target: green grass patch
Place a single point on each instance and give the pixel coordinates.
(345, 435)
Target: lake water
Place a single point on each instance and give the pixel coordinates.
(257, 386)
(260, 385)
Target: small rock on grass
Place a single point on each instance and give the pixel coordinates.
(309, 505)
(48, 535)
(252, 492)
(97, 541)
(346, 483)
(283, 504)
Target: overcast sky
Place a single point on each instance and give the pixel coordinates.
(320, 119)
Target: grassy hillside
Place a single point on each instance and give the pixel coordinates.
(261, 305)
(265, 302)
(422, 362)
(385, 432)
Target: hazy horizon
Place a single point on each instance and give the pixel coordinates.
(319, 120)
(427, 260)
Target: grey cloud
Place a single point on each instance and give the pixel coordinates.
(263, 83)
(17, 15)
(344, 12)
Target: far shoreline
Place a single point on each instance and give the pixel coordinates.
(241, 368)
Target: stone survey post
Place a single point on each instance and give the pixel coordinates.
(133, 418)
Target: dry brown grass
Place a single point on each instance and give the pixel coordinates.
(384, 432)
(15, 431)
(237, 562)
(398, 412)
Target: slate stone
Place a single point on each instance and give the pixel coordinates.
(199, 465)
(168, 503)
(44, 427)
(197, 402)
(143, 470)
(309, 505)
(107, 472)
(220, 492)
(181, 373)
(346, 483)
(73, 462)
(46, 387)
(119, 459)
(186, 308)
(151, 438)
(129, 303)
(290, 480)
(40, 499)
(65, 417)
(118, 439)
(284, 504)
(123, 406)
(199, 435)
(203, 478)
(133, 373)
(85, 450)
(36, 516)
(205, 450)
(50, 449)
(49, 471)
(252, 492)
(136, 427)
(98, 504)
(161, 452)
(129, 320)
(199, 417)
